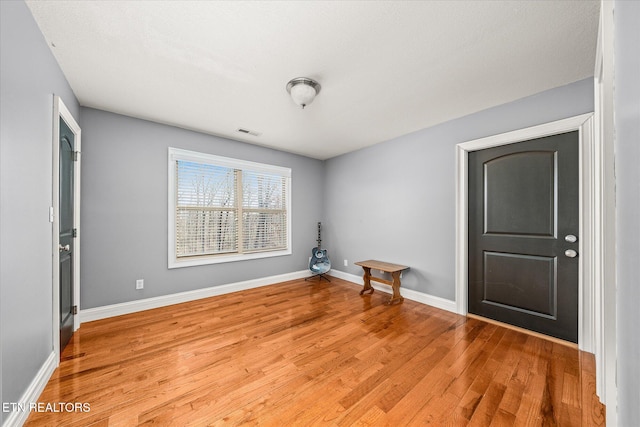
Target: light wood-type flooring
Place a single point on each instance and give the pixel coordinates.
(316, 353)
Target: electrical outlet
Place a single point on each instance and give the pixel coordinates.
(140, 284)
(346, 263)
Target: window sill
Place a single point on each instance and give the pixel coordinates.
(219, 259)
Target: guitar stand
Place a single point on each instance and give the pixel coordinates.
(320, 277)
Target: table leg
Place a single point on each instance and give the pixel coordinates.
(367, 281)
(396, 297)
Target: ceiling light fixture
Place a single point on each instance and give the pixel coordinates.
(303, 90)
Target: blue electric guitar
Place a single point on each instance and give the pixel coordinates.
(319, 263)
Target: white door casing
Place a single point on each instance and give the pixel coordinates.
(584, 125)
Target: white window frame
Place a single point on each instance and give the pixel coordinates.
(177, 154)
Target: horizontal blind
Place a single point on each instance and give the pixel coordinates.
(224, 206)
(206, 213)
(264, 215)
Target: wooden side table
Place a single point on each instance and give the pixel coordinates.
(394, 269)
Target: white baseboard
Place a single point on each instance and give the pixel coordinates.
(107, 311)
(420, 297)
(32, 393)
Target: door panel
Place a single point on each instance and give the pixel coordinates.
(66, 224)
(523, 201)
(524, 282)
(519, 194)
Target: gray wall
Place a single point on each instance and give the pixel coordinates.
(627, 123)
(395, 201)
(124, 210)
(30, 76)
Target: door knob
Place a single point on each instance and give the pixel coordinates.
(65, 248)
(571, 253)
(570, 238)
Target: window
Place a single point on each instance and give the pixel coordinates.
(223, 209)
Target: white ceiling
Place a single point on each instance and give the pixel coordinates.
(387, 68)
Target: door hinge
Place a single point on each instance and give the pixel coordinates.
(75, 156)
(75, 233)
(75, 310)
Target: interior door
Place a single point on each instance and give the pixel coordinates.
(66, 247)
(523, 231)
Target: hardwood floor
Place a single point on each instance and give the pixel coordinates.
(316, 353)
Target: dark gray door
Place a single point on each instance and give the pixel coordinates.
(67, 139)
(523, 217)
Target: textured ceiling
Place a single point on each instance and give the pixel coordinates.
(387, 68)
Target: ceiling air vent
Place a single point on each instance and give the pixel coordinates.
(248, 132)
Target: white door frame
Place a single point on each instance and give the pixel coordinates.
(587, 203)
(61, 111)
(604, 162)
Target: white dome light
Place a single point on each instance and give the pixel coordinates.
(303, 90)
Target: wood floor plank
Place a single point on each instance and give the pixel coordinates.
(592, 412)
(316, 353)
